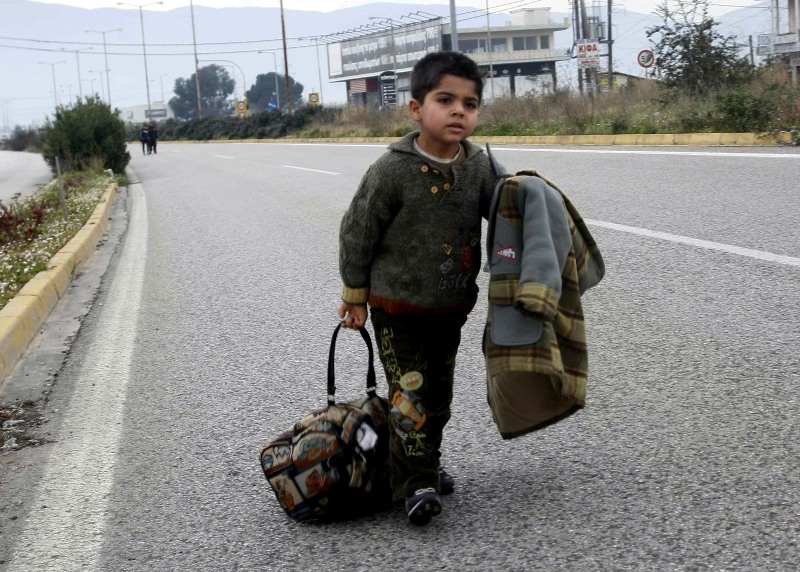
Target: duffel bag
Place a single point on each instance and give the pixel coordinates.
(332, 463)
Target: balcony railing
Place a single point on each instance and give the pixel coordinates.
(517, 56)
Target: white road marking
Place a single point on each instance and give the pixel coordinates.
(598, 151)
(66, 526)
(224, 156)
(650, 152)
(312, 170)
(758, 254)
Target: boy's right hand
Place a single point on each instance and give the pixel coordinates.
(353, 315)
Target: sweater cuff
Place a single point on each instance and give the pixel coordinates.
(537, 301)
(355, 295)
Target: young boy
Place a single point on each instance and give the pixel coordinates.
(410, 247)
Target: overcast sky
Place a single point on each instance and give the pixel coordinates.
(717, 7)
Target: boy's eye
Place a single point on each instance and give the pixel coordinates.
(444, 100)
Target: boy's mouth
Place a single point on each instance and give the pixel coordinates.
(455, 126)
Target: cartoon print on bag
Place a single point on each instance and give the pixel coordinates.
(314, 448)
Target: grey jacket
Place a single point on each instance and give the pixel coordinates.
(410, 242)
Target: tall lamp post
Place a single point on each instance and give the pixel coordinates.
(101, 74)
(105, 55)
(161, 79)
(78, 61)
(319, 69)
(275, 64)
(53, 69)
(144, 49)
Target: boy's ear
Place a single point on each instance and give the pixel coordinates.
(414, 108)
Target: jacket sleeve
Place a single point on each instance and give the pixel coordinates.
(546, 244)
(362, 227)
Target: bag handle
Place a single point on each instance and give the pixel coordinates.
(371, 385)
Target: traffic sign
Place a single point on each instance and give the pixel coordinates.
(241, 107)
(313, 98)
(646, 58)
(588, 54)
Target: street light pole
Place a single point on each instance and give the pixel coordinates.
(78, 61)
(319, 68)
(105, 55)
(277, 89)
(144, 51)
(53, 69)
(101, 78)
(161, 79)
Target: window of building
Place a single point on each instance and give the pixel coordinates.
(521, 43)
(544, 42)
(499, 45)
(472, 46)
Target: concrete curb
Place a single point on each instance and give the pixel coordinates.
(24, 314)
(647, 139)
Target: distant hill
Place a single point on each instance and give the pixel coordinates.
(234, 34)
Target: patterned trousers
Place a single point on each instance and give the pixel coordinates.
(418, 353)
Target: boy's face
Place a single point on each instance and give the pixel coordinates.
(447, 115)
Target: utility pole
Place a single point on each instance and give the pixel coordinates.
(107, 70)
(610, 50)
(576, 36)
(590, 84)
(196, 66)
(453, 30)
(286, 64)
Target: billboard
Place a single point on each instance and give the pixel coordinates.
(376, 53)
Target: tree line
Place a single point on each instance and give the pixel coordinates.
(216, 88)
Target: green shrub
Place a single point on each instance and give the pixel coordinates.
(742, 111)
(24, 140)
(84, 136)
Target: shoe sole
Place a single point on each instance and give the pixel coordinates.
(424, 511)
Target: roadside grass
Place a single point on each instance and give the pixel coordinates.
(32, 230)
(637, 108)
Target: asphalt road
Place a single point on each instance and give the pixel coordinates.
(21, 173)
(210, 335)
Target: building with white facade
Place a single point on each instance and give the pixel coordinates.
(784, 41)
(138, 113)
(517, 58)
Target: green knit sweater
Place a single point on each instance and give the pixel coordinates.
(410, 242)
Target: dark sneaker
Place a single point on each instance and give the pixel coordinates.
(447, 484)
(423, 505)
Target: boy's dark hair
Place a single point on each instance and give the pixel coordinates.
(428, 72)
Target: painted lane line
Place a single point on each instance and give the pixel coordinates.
(596, 151)
(707, 244)
(67, 524)
(312, 170)
(643, 152)
(224, 156)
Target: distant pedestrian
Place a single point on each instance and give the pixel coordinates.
(152, 139)
(144, 137)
